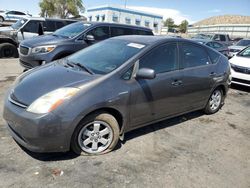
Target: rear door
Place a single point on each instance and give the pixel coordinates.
(198, 73)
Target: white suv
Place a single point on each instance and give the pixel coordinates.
(240, 67)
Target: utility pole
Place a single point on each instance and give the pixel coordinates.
(125, 4)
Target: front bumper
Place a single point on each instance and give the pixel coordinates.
(33, 60)
(38, 133)
(240, 78)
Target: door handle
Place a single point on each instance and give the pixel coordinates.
(177, 83)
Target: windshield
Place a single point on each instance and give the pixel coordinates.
(71, 30)
(106, 56)
(245, 52)
(203, 36)
(19, 24)
(243, 43)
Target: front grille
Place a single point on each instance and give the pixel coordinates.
(241, 81)
(234, 50)
(24, 50)
(25, 64)
(240, 69)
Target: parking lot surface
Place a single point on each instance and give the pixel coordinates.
(193, 150)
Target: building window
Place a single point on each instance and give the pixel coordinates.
(155, 24)
(90, 18)
(103, 17)
(115, 18)
(127, 20)
(97, 18)
(137, 22)
(147, 23)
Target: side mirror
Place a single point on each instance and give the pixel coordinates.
(145, 73)
(89, 38)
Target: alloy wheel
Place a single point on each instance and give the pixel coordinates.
(95, 137)
(215, 100)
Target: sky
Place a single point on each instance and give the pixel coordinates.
(191, 10)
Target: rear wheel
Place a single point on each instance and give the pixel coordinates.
(215, 101)
(97, 134)
(8, 50)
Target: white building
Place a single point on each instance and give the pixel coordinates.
(117, 14)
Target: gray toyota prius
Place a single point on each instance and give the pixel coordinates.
(87, 101)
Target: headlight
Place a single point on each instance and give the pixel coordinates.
(51, 100)
(43, 49)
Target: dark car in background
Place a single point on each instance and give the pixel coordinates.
(72, 38)
(26, 28)
(87, 100)
(220, 47)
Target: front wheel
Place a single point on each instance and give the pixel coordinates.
(215, 101)
(8, 50)
(97, 134)
(1, 19)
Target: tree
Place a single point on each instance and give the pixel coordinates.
(183, 26)
(61, 8)
(169, 23)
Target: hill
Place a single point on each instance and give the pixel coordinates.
(224, 19)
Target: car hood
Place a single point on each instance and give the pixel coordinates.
(39, 81)
(43, 40)
(6, 29)
(240, 61)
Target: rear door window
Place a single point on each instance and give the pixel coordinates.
(59, 24)
(49, 26)
(192, 55)
(118, 31)
(31, 26)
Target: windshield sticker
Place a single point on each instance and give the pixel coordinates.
(136, 45)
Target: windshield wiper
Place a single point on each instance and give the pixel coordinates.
(71, 64)
(83, 67)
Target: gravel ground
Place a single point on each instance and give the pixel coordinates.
(194, 150)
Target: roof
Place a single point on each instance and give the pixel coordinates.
(121, 9)
(149, 40)
(118, 24)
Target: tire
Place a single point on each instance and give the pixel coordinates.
(8, 50)
(215, 102)
(1, 19)
(88, 141)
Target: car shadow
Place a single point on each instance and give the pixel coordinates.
(162, 125)
(62, 156)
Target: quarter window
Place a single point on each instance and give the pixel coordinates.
(100, 33)
(161, 59)
(192, 56)
(214, 56)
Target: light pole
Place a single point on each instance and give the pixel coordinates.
(125, 4)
